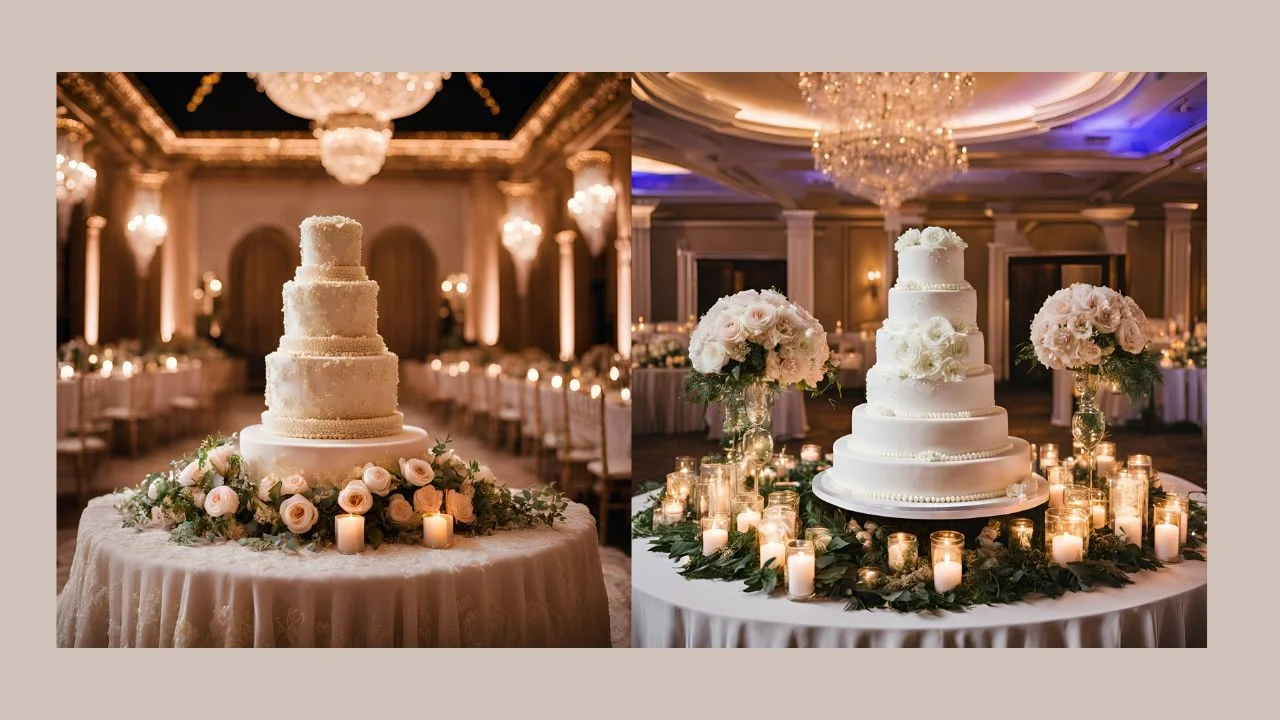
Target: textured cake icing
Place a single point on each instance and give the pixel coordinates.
(332, 376)
(930, 430)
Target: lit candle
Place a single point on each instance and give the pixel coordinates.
(868, 576)
(772, 551)
(1067, 548)
(902, 551)
(1099, 515)
(810, 453)
(800, 569)
(713, 539)
(1131, 527)
(626, 395)
(673, 509)
(1106, 465)
(171, 363)
(437, 530)
(66, 372)
(1165, 540)
(350, 532)
(1055, 494)
(1021, 531)
(946, 575)
(748, 519)
(1048, 456)
(946, 549)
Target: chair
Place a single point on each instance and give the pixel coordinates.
(613, 475)
(579, 445)
(531, 418)
(511, 411)
(195, 413)
(137, 412)
(85, 448)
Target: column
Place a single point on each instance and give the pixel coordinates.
(565, 239)
(623, 246)
(800, 256)
(1114, 221)
(92, 276)
(1007, 241)
(686, 284)
(481, 319)
(176, 282)
(1177, 260)
(641, 274)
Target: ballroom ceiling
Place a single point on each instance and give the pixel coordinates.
(236, 106)
(1101, 137)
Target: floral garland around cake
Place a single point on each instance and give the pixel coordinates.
(995, 572)
(1097, 330)
(757, 336)
(209, 496)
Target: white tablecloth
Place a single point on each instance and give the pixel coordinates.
(1181, 397)
(1166, 608)
(169, 384)
(789, 419)
(618, 428)
(537, 587)
(658, 406)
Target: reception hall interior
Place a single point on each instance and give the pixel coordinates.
(493, 214)
(757, 181)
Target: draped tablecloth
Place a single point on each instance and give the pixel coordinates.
(789, 419)
(536, 587)
(169, 384)
(618, 430)
(658, 406)
(1181, 397)
(1165, 608)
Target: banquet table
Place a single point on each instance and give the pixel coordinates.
(1165, 608)
(618, 430)
(169, 384)
(659, 407)
(1182, 396)
(535, 587)
(789, 419)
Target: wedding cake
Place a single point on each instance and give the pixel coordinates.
(930, 431)
(332, 384)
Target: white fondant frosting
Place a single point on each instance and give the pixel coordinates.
(331, 308)
(931, 266)
(861, 473)
(891, 435)
(958, 306)
(332, 388)
(325, 462)
(974, 392)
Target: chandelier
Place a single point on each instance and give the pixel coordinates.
(593, 195)
(351, 112)
(147, 228)
(521, 236)
(885, 136)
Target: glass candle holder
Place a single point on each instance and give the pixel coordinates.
(1035, 453)
(747, 510)
(672, 511)
(946, 553)
(680, 484)
(1128, 502)
(715, 533)
(820, 537)
(1184, 504)
(1066, 534)
(1104, 465)
(1048, 456)
(1059, 478)
(437, 530)
(870, 577)
(810, 453)
(1167, 523)
(1021, 531)
(1078, 496)
(349, 529)
(1105, 448)
(1098, 507)
(772, 536)
(1141, 465)
(686, 463)
(784, 514)
(903, 552)
(782, 462)
(723, 484)
(801, 565)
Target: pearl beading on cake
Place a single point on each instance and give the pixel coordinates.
(335, 345)
(889, 412)
(934, 456)
(926, 499)
(906, 284)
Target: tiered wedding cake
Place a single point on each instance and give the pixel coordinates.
(930, 431)
(331, 385)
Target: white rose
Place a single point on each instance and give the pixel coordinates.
(927, 365)
(1079, 295)
(220, 457)
(294, 485)
(938, 332)
(1090, 352)
(1080, 325)
(936, 237)
(190, 474)
(401, 513)
(791, 369)
(1108, 316)
(1058, 305)
(264, 487)
(1130, 336)
(773, 297)
(355, 498)
(483, 475)
(771, 371)
(459, 506)
(377, 479)
(416, 472)
(427, 499)
(220, 501)
(907, 350)
(153, 489)
(730, 330)
(299, 514)
(952, 370)
(787, 327)
(710, 359)
(759, 317)
(910, 238)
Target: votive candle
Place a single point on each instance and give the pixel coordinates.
(810, 453)
(680, 484)
(869, 576)
(1021, 530)
(1066, 533)
(801, 564)
(1166, 530)
(772, 538)
(903, 552)
(1098, 507)
(947, 553)
(747, 509)
(437, 530)
(349, 529)
(1059, 479)
(1048, 456)
(672, 510)
(686, 463)
(715, 533)
(1130, 526)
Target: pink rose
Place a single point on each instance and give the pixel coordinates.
(759, 317)
(1090, 352)
(190, 474)
(355, 498)
(220, 501)
(459, 506)
(731, 331)
(299, 514)
(1080, 326)
(427, 499)
(1130, 336)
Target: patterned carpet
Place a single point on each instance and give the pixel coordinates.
(516, 472)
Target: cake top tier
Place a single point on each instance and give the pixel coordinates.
(930, 259)
(331, 240)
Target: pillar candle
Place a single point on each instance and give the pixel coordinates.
(713, 539)
(1165, 541)
(1131, 526)
(748, 519)
(1055, 495)
(1068, 548)
(435, 530)
(673, 510)
(1105, 465)
(946, 575)
(1099, 516)
(800, 575)
(350, 532)
(774, 550)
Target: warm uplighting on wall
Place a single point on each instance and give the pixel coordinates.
(873, 282)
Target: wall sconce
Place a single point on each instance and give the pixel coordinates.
(873, 282)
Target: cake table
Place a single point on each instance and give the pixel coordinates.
(535, 587)
(1165, 608)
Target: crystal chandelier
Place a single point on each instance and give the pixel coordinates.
(147, 228)
(593, 195)
(351, 112)
(885, 136)
(521, 236)
(75, 176)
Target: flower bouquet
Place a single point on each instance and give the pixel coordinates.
(210, 496)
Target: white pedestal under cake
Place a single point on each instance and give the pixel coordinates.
(332, 385)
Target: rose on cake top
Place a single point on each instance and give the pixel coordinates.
(933, 238)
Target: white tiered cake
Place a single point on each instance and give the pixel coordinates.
(930, 431)
(331, 385)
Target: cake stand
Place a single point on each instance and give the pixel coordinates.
(1037, 494)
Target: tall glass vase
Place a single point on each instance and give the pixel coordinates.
(1088, 423)
(748, 430)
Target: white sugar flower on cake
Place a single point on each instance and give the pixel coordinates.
(934, 238)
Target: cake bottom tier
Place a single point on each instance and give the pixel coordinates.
(325, 461)
(921, 481)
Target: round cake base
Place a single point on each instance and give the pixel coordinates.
(325, 461)
(1037, 494)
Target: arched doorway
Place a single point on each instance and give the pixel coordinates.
(261, 262)
(405, 268)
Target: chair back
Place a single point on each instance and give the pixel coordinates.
(91, 399)
(142, 394)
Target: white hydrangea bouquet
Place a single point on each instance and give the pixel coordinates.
(757, 336)
(209, 496)
(1096, 330)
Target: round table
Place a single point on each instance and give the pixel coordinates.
(1165, 608)
(658, 404)
(535, 587)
